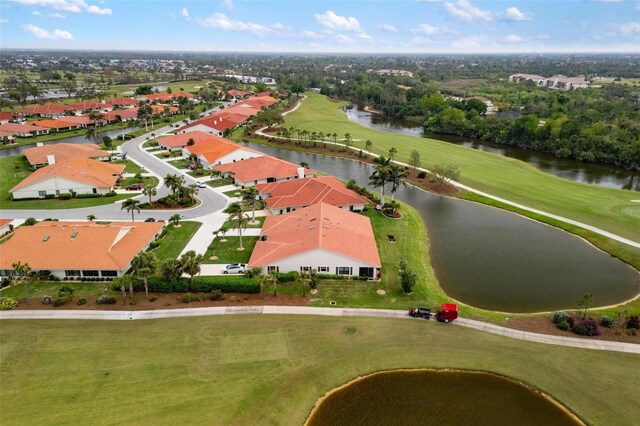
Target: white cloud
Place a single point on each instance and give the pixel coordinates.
(97, 11)
(464, 11)
(311, 35)
(227, 4)
(427, 29)
(472, 42)
(35, 13)
(388, 28)
(336, 22)
(38, 32)
(185, 14)
(341, 38)
(512, 38)
(421, 40)
(514, 14)
(4, 21)
(57, 15)
(220, 21)
(630, 28)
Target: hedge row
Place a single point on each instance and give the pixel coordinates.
(224, 283)
(340, 277)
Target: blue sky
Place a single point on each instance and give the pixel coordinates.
(428, 26)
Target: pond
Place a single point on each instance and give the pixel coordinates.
(494, 259)
(425, 397)
(596, 174)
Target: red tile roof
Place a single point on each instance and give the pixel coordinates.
(83, 105)
(6, 115)
(261, 101)
(63, 151)
(77, 169)
(21, 128)
(3, 222)
(181, 139)
(122, 102)
(52, 246)
(321, 226)
(168, 96)
(53, 124)
(214, 148)
(125, 114)
(46, 109)
(4, 134)
(261, 168)
(77, 119)
(234, 92)
(160, 109)
(307, 192)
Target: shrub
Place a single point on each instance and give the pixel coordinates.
(579, 329)
(82, 301)
(559, 316)
(65, 196)
(633, 322)
(88, 195)
(422, 175)
(288, 277)
(186, 298)
(225, 283)
(30, 221)
(105, 300)
(46, 300)
(65, 292)
(606, 321)
(571, 321)
(591, 326)
(111, 194)
(154, 244)
(564, 326)
(59, 301)
(216, 295)
(202, 296)
(152, 298)
(8, 304)
(181, 286)
(50, 196)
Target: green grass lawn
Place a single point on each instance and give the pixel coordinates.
(264, 369)
(50, 288)
(232, 224)
(54, 136)
(15, 168)
(146, 180)
(606, 208)
(130, 167)
(227, 252)
(217, 183)
(175, 240)
(233, 193)
(180, 164)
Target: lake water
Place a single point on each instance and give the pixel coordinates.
(493, 259)
(596, 174)
(438, 398)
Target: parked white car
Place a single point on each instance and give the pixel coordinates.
(200, 184)
(234, 268)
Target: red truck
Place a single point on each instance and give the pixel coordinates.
(447, 313)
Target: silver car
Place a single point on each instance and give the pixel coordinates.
(234, 268)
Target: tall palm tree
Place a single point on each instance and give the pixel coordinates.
(131, 205)
(379, 177)
(392, 153)
(367, 145)
(91, 217)
(396, 176)
(250, 196)
(273, 278)
(144, 264)
(92, 134)
(234, 210)
(149, 191)
(173, 182)
(175, 219)
(303, 278)
(191, 262)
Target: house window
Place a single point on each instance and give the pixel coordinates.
(271, 269)
(72, 273)
(323, 269)
(305, 269)
(343, 270)
(90, 273)
(95, 191)
(57, 192)
(42, 194)
(109, 273)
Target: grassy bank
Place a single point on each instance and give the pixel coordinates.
(606, 208)
(270, 369)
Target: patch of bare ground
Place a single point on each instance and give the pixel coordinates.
(545, 325)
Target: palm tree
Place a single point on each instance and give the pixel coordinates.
(335, 137)
(348, 140)
(380, 175)
(191, 262)
(273, 277)
(91, 217)
(130, 205)
(250, 196)
(367, 145)
(173, 182)
(92, 134)
(23, 271)
(303, 278)
(144, 264)
(235, 213)
(175, 220)
(150, 191)
(216, 174)
(392, 153)
(396, 176)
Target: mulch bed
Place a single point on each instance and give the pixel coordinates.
(544, 325)
(171, 301)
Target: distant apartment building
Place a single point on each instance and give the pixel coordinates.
(556, 82)
(401, 73)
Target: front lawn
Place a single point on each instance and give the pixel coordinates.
(50, 288)
(130, 167)
(180, 164)
(232, 224)
(175, 240)
(217, 183)
(227, 252)
(146, 180)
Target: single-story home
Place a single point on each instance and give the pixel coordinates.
(124, 114)
(283, 197)
(164, 109)
(166, 97)
(5, 117)
(215, 150)
(261, 101)
(81, 120)
(239, 94)
(179, 141)
(90, 106)
(56, 125)
(262, 169)
(6, 137)
(46, 110)
(75, 175)
(122, 102)
(38, 155)
(78, 250)
(5, 226)
(216, 124)
(23, 130)
(321, 237)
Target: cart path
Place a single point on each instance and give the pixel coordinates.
(574, 342)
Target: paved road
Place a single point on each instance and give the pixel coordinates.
(575, 342)
(210, 201)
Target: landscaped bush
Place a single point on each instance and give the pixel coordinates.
(30, 221)
(571, 321)
(287, 277)
(591, 326)
(216, 295)
(606, 321)
(65, 292)
(579, 329)
(633, 322)
(88, 195)
(340, 277)
(226, 284)
(47, 300)
(105, 300)
(82, 301)
(152, 298)
(202, 296)
(564, 326)
(8, 304)
(186, 298)
(181, 286)
(559, 317)
(59, 301)
(422, 175)
(65, 196)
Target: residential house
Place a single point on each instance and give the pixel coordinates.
(38, 155)
(239, 94)
(56, 125)
(179, 141)
(520, 78)
(6, 137)
(122, 102)
(124, 114)
(23, 130)
(283, 197)
(78, 250)
(5, 117)
(83, 106)
(566, 83)
(75, 175)
(321, 237)
(213, 150)
(5, 226)
(45, 110)
(264, 169)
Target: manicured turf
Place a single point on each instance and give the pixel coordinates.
(180, 164)
(270, 369)
(233, 193)
(606, 208)
(14, 169)
(217, 183)
(50, 288)
(146, 180)
(228, 252)
(232, 224)
(131, 167)
(175, 240)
